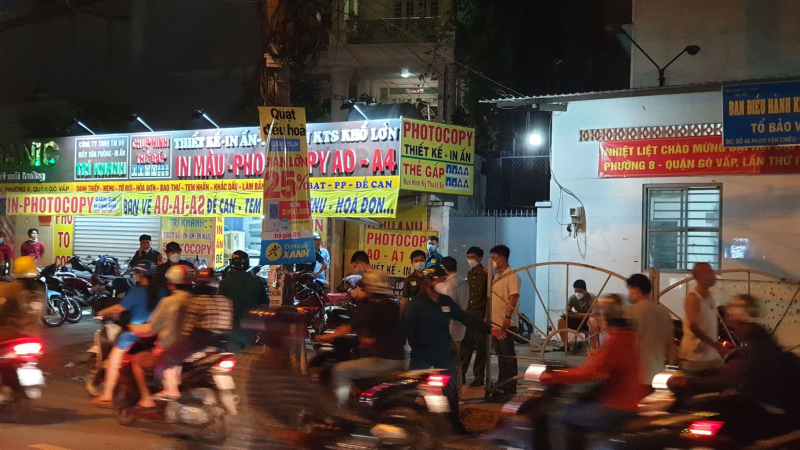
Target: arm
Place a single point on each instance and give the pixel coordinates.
(458, 314)
(730, 377)
(596, 368)
(342, 330)
(141, 330)
(322, 268)
(112, 310)
(692, 306)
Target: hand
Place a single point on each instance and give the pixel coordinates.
(498, 333)
(677, 383)
(506, 323)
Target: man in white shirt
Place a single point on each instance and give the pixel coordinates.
(654, 329)
(505, 314)
(456, 288)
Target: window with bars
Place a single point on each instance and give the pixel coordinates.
(682, 226)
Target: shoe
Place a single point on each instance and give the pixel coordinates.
(477, 383)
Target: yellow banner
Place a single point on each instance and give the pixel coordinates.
(195, 236)
(390, 250)
(315, 183)
(373, 203)
(437, 157)
(408, 218)
(71, 204)
(62, 239)
(219, 242)
(184, 204)
(286, 231)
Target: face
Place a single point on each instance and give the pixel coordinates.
(634, 293)
(497, 259)
(317, 244)
(417, 260)
(33, 234)
(580, 291)
(704, 275)
(433, 243)
(473, 257)
(145, 245)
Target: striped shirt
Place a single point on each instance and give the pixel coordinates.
(210, 313)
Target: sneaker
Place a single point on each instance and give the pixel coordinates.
(477, 383)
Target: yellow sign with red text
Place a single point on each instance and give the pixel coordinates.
(437, 157)
(390, 250)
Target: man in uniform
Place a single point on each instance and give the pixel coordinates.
(434, 258)
(478, 281)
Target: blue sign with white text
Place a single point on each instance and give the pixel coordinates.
(287, 251)
(761, 115)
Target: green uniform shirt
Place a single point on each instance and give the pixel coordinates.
(478, 281)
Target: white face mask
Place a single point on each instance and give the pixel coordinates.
(419, 267)
(579, 295)
(34, 239)
(174, 258)
(494, 265)
(472, 263)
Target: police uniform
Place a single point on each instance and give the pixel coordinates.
(478, 281)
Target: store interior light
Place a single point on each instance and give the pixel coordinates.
(404, 72)
(535, 139)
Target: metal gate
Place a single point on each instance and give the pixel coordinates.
(115, 236)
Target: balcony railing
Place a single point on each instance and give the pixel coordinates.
(393, 31)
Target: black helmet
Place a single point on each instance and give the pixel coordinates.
(173, 247)
(435, 271)
(240, 260)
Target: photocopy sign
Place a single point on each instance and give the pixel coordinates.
(761, 115)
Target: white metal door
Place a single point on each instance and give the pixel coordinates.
(115, 236)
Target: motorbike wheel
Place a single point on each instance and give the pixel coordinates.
(125, 397)
(73, 311)
(216, 430)
(94, 379)
(54, 314)
(422, 427)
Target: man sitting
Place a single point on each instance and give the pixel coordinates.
(578, 316)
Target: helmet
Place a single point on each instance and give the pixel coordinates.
(317, 237)
(376, 282)
(24, 267)
(207, 278)
(240, 260)
(180, 274)
(435, 271)
(173, 247)
(145, 268)
(611, 306)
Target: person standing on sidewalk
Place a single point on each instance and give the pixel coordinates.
(413, 283)
(654, 329)
(478, 282)
(456, 288)
(700, 347)
(505, 314)
(433, 258)
(32, 247)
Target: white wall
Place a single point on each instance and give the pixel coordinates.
(739, 40)
(761, 208)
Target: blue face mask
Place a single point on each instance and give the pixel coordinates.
(431, 248)
(2, 240)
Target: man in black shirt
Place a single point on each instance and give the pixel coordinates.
(246, 292)
(413, 283)
(145, 252)
(173, 251)
(377, 324)
(427, 324)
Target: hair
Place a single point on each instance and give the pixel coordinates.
(614, 314)
(501, 250)
(450, 264)
(749, 304)
(640, 282)
(434, 238)
(359, 257)
(32, 230)
(145, 237)
(416, 253)
(579, 284)
(477, 251)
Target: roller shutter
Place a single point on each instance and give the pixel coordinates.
(115, 236)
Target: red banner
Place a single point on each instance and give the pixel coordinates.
(704, 155)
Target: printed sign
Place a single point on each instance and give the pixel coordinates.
(437, 157)
(286, 232)
(62, 237)
(355, 203)
(702, 155)
(31, 161)
(390, 251)
(72, 204)
(219, 242)
(760, 115)
(151, 156)
(229, 204)
(195, 236)
(101, 157)
(408, 218)
(344, 149)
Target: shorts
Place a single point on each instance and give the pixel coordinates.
(126, 340)
(574, 322)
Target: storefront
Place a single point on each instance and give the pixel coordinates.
(369, 181)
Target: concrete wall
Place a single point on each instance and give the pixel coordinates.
(739, 40)
(761, 208)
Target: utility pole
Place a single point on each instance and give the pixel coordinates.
(275, 86)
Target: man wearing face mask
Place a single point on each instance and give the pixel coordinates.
(413, 283)
(456, 288)
(32, 247)
(478, 282)
(361, 265)
(579, 306)
(173, 252)
(505, 311)
(7, 252)
(433, 258)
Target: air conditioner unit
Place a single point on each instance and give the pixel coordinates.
(234, 240)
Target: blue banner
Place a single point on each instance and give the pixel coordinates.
(287, 251)
(761, 115)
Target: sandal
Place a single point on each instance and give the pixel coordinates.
(97, 401)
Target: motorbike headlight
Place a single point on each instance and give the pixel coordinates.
(661, 379)
(534, 372)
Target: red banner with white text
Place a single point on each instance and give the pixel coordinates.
(686, 156)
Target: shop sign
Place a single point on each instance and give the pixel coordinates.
(101, 157)
(63, 239)
(437, 158)
(703, 155)
(761, 115)
(408, 218)
(286, 233)
(390, 251)
(344, 149)
(32, 161)
(373, 203)
(151, 156)
(195, 236)
(72, 204)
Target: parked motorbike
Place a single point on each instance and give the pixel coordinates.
(59, 308)
(21, 379)
(208, 394)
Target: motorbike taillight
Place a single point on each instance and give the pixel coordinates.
(438, 380)
(226, 365)
(28, 348)
(705, 428)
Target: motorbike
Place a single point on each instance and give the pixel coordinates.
(21, 379)
(103, 342)
(59, 308)
(315, 303)
(208, 394)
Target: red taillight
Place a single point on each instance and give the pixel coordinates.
(28, 348)
(226, 364)
(705, 428)
(438, 380)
